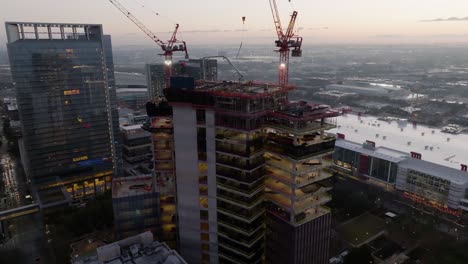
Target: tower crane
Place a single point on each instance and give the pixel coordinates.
(286, 41)
(168, 48)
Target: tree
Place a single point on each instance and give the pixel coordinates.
(360, 255)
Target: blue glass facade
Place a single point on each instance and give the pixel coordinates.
(64, 106)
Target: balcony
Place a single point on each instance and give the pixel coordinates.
(311, 202)
(313, 177)
(280, 175)
(164, 166)
(241, 214)
(279, 200)
(241, 227)
(278, 211)
(161, 145)
(163, 155)
(312, 189)
(301, 128)
(240, 239)
(311, 214)
(246, 203)
(233, 258)
(240, 176)
(239, 163)
(248, 149)
(247, 253)
(279, 187)
(247, 189)
(300, 152)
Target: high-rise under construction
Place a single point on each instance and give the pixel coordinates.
(251, 173)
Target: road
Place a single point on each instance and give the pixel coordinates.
(26, 232)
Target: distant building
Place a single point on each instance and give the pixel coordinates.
(156, 80)
(335, 95)
(199, 69)
(11, 108)
(132, 98)
(136, 205)
(377, 91)
(141, 249)
(136, 150)
(65, 107)
(424, 164)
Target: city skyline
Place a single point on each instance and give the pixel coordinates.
(359, 21)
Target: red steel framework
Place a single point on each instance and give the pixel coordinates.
(285, 42)
(168, 48)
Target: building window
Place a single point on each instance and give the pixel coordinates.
(203, 215)
(203, 202)
(205, 237)
(204, 227)
(203, 190)
(201, 119)
(205, 258)
(201, 141)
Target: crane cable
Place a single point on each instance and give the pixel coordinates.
(156, 13)
(243, 36)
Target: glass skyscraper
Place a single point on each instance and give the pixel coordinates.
(64, 94)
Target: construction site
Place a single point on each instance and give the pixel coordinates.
(246, 171)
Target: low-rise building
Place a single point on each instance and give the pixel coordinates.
(136, 205)
(141, 249)
(422, 163)
(136, 150)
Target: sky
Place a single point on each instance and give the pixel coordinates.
(218, 22)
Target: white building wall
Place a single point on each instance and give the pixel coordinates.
(456, 193)
(402, 175)
(212, 205)
(187, 174)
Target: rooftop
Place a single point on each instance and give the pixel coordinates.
(241, 90)
(374, 88)
(379, 152)
(132, 186)
(130, 127)
(139, 249)
(448, 150)
(132, 90)
(304, 111)
(454, 175)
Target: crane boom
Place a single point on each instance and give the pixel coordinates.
(276, 19)
(290, 31)
(138, 23)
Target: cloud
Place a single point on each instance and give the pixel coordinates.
(318, 28)
(205, 31)
(446, 19)
(389, 36)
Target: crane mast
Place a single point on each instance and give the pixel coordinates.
(168, 48)
(286, 41)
